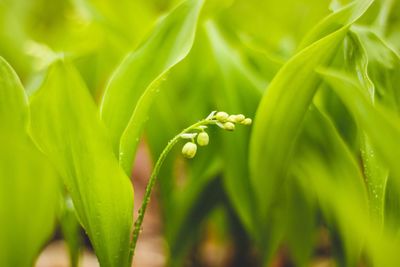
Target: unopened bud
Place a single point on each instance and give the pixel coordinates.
(240, 117)
(246, 121)
(189, 150)
(202, 139)
(229, 126)
(222, 116)
(232, 118)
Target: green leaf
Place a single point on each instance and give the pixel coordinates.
(289, 95)
(71, 231)
(376, 121)
(383, 67)
(300, 233)
(281, 111)
(320, 138)
(382, 129)
(192, 206)
(345, 16)
(29, 192)
(239, 92)
(28, 182)
(327, 167)
(359, 64)
(133, 86)
(376, 176)
(13, 102)
(66, 125)
(384, 70)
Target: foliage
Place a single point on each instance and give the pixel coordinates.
(83, 82)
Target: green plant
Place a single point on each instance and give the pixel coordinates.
(221, 119)
(320, 78)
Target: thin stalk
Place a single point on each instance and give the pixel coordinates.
(153, 179)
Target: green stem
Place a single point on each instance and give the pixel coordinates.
(153, 179)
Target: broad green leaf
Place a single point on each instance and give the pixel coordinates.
(381, 125)
(66, 125)
(265, 61)
(385, 9)
(116, 20)
(282, 109)
(29, 185)
(239, 92)
(29, 192)
(376, 173)
(278, 25)
(326, 166)
(344, 208)
(133, 86)
(376, 176)
(301, 235)
(13, 102)
(319, 136)
(383, 67)
(356, 62)
(391, 30)
(281, 113)
(345, 16)
(384, 70)
(392, 207)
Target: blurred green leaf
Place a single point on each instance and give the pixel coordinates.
(192, 206)
(326, 166)
(300, 234)
(71, 231)
(344, 16)
(278, 25)
(358, 62)
(66, 125)
(239, 92)
(135, 83)
(382, 128)
(29, 185)
(383, 67)
(380, 124)
(320, 137)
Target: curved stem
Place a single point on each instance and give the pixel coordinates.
(153, 179)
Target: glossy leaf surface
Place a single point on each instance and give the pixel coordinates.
(29, 185)
(136, 81)
(66, 125)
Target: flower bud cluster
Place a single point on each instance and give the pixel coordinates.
(228, 122)
(222, 119)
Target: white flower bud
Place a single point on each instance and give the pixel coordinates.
(189, 150)
(203, 139)
(222, 116)
(229, 126)
(236, 118)
(240, 118)
(246, 121)
(232, 118)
